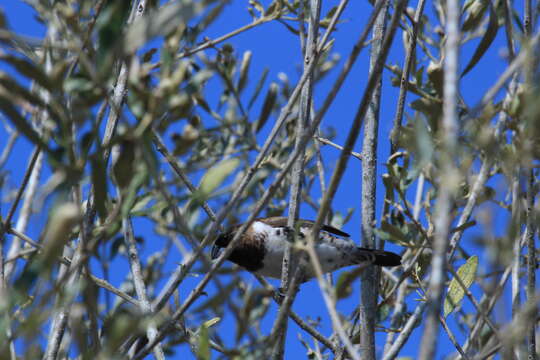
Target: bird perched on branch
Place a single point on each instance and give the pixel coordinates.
(261, 247)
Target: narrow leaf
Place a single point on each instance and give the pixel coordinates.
(216, 175)
(258, 88)
(209, 323)
(345, 280)
(489, 36)
(467, 274)
(267, 107)
(203, 346)
(159, 23)
(395, 234)
(6, 106)
(30, 70)
(99, 182)
(244, 69)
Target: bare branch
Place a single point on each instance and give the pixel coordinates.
(448, 182)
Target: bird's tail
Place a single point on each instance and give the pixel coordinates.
(378, 257)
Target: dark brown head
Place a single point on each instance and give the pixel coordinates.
(222, 241)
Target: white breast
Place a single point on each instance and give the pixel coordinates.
(275, 242)
(333, 252)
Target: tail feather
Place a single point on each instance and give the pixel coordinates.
(380, 257)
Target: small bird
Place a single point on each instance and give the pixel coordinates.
(260, 249)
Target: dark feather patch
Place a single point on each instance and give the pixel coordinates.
(249, 251)
(381, 257)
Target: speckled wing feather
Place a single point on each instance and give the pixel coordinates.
(281, 221)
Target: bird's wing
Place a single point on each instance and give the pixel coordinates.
(281, 221)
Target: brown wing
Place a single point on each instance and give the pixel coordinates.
(274, 221)
(281, 221)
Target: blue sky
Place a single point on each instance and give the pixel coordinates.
(273, 46)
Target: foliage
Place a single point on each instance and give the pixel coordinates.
(127, 104)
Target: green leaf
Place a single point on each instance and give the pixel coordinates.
(99, 183)
(383, 311)
(159, 23)
(184, 142)
(258, 88)
(424, 144)
(7, 107)
(326, 20)
(467, 274)
(78, 83)
(489, 36)
(110, 24)
(257, 5)
(216, 175)
(209, 323)
(474, 11)
(63, 219)
(19, 94)
(30, 70)
(130, 193)
(389, 186)
(273, 8)
(393, 232)
(345, 280)
(244, 69)
(124, 165)
(268, 105)
(203, 346)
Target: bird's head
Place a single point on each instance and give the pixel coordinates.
(222, 241)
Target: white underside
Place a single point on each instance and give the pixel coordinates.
(332, 252)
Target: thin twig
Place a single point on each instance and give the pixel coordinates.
(290, 261)
(447, 182)
(7, 149)
(138, 281)
(406, 332)
(476, 191)
(20, 193)
(452, 338)
(404, 84)
(328, 142)
(211, 43)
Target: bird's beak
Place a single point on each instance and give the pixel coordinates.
(215, 252)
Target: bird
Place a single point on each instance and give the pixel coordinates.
(260, 249)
